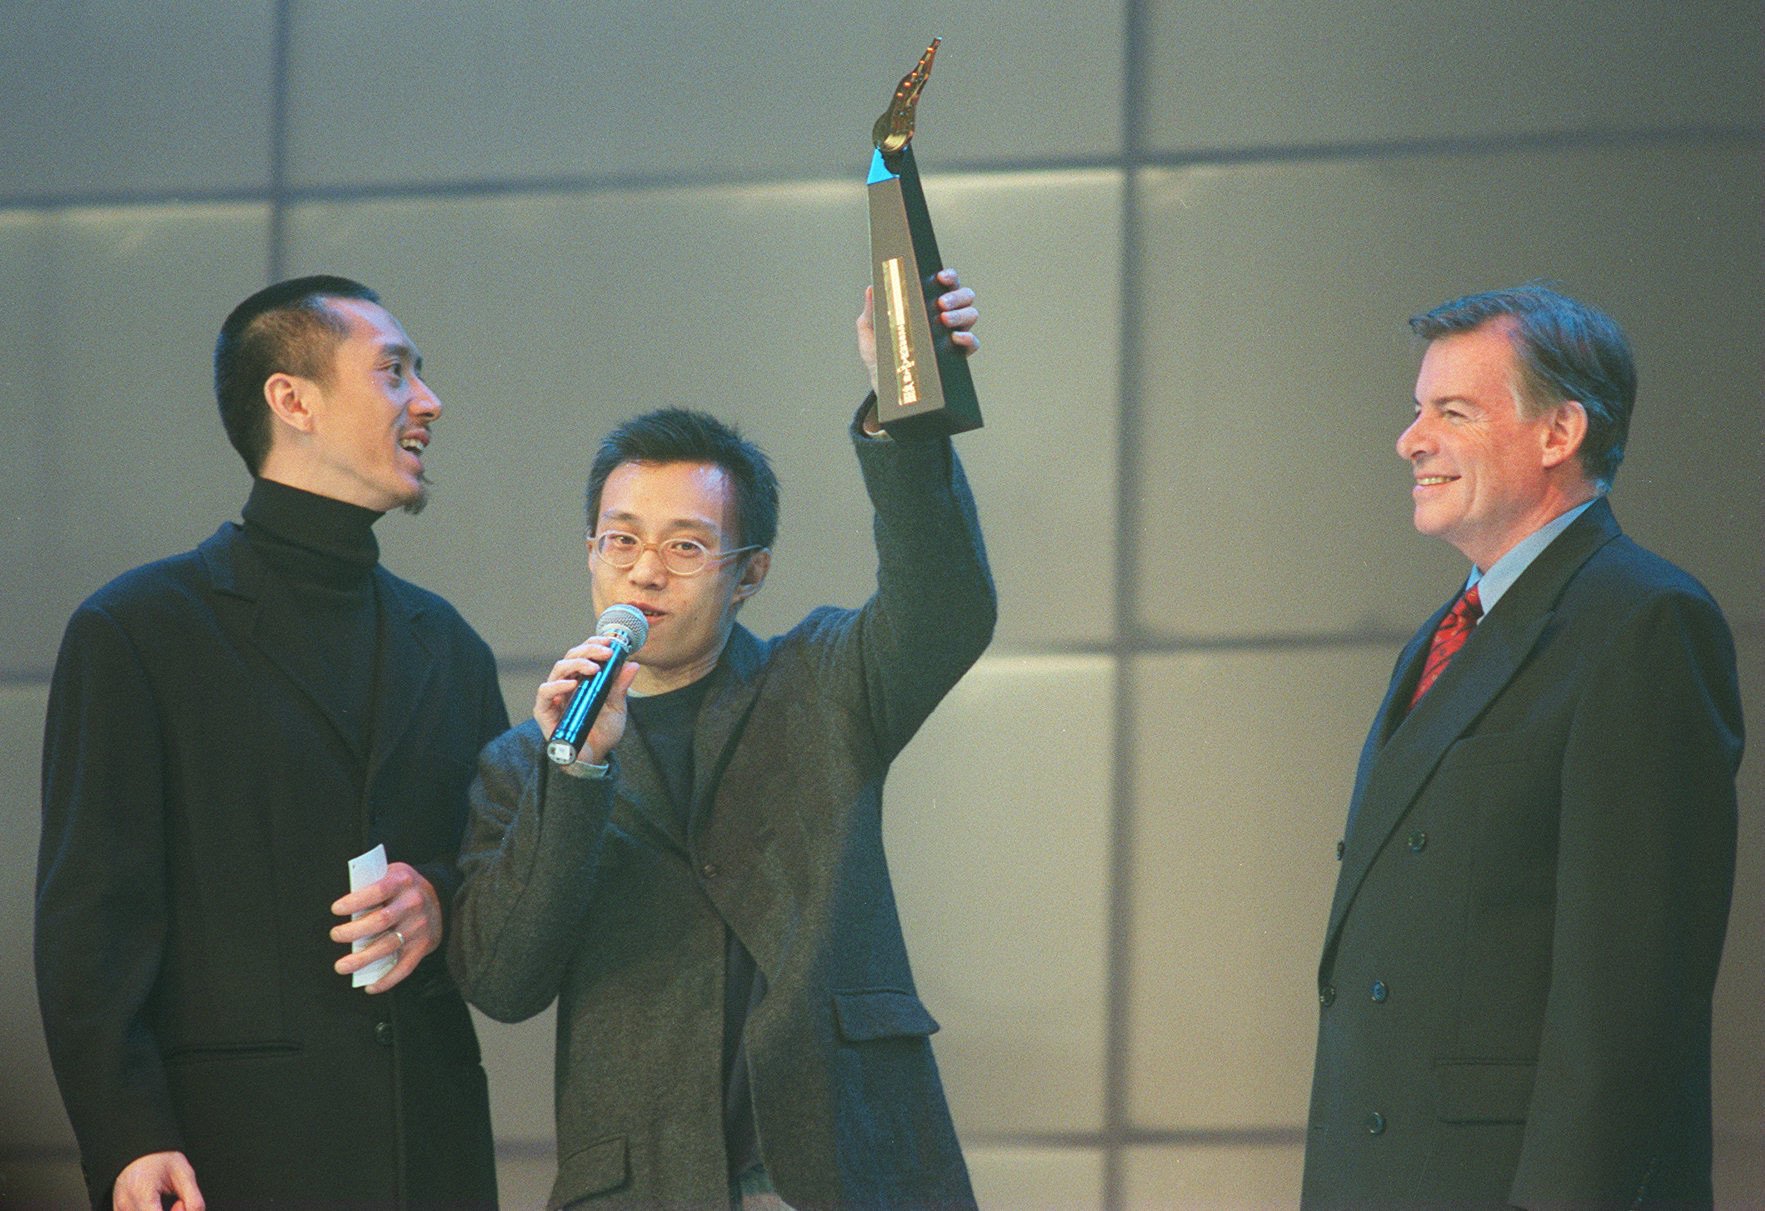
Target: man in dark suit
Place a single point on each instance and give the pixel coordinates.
(1517, 973)
(227, 728)
(705, 893)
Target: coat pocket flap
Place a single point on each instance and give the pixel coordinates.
(1482, 1091)
(881, 1014)
(599, 1167)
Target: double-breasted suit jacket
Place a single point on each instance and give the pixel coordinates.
(1515, 988)
(200, 807)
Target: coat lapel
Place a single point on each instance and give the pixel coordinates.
(407, 651)
(723, 717)
(1404, 748)
(265, 623)
(729, 694)
(641, 788)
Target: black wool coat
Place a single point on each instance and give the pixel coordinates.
(199, 809)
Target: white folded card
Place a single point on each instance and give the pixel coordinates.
(369, 868)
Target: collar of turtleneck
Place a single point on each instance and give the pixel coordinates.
(311, 539)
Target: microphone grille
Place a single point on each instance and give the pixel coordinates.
(626, 619)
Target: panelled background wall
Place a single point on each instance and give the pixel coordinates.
(1197, 229)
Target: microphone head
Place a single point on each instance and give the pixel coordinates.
(624, 623)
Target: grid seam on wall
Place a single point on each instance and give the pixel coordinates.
(279, 193)
(278, 235)
(1119, 966)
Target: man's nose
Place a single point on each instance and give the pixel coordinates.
(1412, 441)
(424, 402)
(649, 568)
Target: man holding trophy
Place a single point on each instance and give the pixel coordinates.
(697, 877)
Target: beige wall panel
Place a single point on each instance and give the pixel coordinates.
(27, 456)
(518, 1066)
(1045, 251)
(1291, 73)
(1278, 367)
(524, 1176)
(1740, 990)
(122, 324)
(1008, 1178)
(546, 320)
(397, 93)
(1243, 767)
(1739, 1171)
(1213, 1177)
(31, 1117)
(1690, 290)
(107, 99)
(997, 822)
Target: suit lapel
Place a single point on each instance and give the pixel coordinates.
(1395, 708)
(1403, 749)
(1391, 711)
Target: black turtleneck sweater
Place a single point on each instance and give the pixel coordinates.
(324, 621)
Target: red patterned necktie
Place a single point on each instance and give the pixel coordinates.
(1449, 637)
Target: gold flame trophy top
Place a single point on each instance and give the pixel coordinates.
(894, 130)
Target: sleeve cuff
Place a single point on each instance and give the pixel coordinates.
(589, 770)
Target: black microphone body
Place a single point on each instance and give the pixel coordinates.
(627, 629)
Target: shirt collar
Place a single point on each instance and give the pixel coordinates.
(1506, 570)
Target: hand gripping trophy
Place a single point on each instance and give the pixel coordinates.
(923, 383)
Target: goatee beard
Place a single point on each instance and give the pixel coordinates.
(415, 504)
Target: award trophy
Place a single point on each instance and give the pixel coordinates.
(923, 384)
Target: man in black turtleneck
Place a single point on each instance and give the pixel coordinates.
(226, 730)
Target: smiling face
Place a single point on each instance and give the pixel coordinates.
(690, 617)
(1486, 474)
(358, 434)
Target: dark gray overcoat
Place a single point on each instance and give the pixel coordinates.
(587, 893)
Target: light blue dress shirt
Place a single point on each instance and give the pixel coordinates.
(1506, 570)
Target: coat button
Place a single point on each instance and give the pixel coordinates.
(1418, 841)
(1327, 995)
(709, 870)
(383, 1033)
(1375, 1123)
(1341, 846)
(1379, 992)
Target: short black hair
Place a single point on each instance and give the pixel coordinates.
(284, 328)
(680, 435)
(1567, 350)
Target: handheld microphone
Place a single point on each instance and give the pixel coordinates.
(627, 628)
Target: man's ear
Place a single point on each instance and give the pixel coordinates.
(1565, 430)
(290, 398)
(753, 574)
